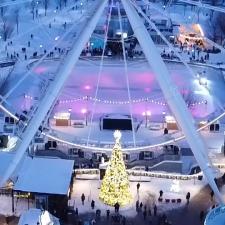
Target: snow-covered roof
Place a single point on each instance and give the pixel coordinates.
(44, 175)
(32, 216)
(5, 159)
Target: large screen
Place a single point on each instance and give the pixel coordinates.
(117, 124)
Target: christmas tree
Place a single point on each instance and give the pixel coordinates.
(115, 185)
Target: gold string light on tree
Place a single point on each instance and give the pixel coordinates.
(115, 186)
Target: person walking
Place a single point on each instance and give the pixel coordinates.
(144, 214)
(212, 195)
(188, 195)
(201, 216)
(141, 204)
(160, 193)
(138, 186)
(124, 220)
(76, 212)
(107, 214)
(92, 204)
(150, 212)
(82, 198)
(155, 210)
(117, 207)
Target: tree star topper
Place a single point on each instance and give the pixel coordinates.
(117, 135)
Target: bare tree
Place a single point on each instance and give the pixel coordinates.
(16, 12)
(214, 32)
(33, 5)
(2, 11)
(65, 2)
(6, 28)
(220, 21)
(46, 3)
(60, 4)
(3, 8)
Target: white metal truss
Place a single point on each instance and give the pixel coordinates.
(169, 89)
(53, 91)
(171, 94)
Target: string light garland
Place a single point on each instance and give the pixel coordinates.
(94, 148)
(114, 102)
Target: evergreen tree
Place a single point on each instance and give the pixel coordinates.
(115, 185)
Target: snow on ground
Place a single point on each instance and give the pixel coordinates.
(44, 29)
(144, 136)
(148, 193)
(20, 206)
(90, 185)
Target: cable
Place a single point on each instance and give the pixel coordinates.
(99, 73)
(126, 75)
(206, 6)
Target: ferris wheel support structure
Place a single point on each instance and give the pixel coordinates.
(172, 95)
(53, 90)
(202, 5)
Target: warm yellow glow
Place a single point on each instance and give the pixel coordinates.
(115, 185)
(170, 119)
(200, 30)
(62, 116)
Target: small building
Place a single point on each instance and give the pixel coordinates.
(47, 181)
(171, 123)
(44, 182)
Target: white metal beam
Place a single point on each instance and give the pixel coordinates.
(202, 5)
(54, 90)
(171, 94)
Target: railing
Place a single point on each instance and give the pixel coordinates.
(165, 175)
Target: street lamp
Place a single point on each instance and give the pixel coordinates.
(84, 112)
(164, 115)
(146, 114)
(81, 7)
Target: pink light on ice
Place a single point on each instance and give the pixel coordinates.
(83, 111)
(87, 87)
(40, 70)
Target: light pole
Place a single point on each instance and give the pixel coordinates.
(84, 112)
(81, 7)
(164, 116)
(146, 114)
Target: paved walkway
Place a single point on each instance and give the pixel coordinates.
(188, 215)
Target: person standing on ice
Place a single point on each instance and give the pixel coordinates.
(82, 198)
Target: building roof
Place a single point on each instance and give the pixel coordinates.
(32, 216)
(44, 175)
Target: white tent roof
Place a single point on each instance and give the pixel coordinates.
(32, 216)
(5, 159)
(44, 175)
